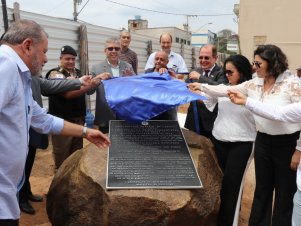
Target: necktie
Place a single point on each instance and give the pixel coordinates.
(207, 73)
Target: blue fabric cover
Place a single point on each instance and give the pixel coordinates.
(142, 97)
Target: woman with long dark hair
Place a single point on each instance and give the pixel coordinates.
(233, 136)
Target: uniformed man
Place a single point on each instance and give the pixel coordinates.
(69, 106)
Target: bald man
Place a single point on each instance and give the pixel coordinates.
(161, 62)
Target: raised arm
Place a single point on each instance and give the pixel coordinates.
(49, 87)
(289, 113)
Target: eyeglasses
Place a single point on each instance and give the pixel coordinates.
(113, 48)
(204, 57)
(229, 72)
(125, 37)
(256, 63)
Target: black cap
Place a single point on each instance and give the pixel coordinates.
(68, 50)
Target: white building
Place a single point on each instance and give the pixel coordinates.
(202, 37)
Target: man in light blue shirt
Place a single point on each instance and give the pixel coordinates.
(23, 54)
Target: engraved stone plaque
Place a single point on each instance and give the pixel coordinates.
(153, 154)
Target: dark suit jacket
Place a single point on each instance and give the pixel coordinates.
(103, 113)
(206, 118)
(47, 87)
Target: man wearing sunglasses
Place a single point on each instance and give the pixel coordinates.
(116, 68)
(175, 61)
(199, 118)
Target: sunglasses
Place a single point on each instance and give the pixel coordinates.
(113, 48)
(256, 63)
(125, 37)
(204, 57)
(229, 72)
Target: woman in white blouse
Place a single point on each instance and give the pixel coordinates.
(233, 136)
(289, 113)
(275, 141)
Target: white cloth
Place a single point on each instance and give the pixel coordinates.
(296, 218)
(233, 123)
(176, 62)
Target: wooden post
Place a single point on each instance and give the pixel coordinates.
(16, 12)
(83, 57)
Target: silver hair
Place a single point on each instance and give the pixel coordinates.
(125, 32)
(113, 40)
(21, 30)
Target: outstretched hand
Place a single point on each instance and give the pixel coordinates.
(85, 80)
(195, 86)
(97, 79)
(237, 97)
(98, 138)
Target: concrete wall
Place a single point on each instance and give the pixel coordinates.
(271, 22)
(66, 32)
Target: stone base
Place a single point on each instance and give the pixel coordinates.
(78, 196)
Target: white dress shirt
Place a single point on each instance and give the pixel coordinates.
(233, 123)
(289, 113)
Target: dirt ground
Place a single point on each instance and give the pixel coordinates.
(43, 172)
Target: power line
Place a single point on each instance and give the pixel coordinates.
(175, 14)
(83, 7)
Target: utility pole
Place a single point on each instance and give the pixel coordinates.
(186, 26)
(75, 13)
(4, 12)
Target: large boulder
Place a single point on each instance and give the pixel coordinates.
(77, 195)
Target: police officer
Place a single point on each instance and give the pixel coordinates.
(69, 106)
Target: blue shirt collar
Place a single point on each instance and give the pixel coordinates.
(20, 63)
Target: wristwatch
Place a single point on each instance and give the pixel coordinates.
(84, 134)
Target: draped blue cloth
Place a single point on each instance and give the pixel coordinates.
(142, 97)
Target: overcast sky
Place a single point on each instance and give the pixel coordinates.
(108, 14)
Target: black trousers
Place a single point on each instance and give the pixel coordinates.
(9, 222)
(272, 155)
(233, 158)
(26, 188)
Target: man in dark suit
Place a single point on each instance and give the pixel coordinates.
(116, 68)
(199, 118)
(37, 140)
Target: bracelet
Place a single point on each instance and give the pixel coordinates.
(84, 134)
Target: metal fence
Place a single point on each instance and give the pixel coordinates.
(66, 32)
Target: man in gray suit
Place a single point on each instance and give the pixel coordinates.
(46, 87)
(116, 68)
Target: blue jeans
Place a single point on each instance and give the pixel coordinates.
(296, 219)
